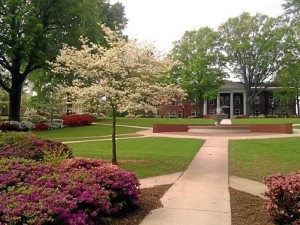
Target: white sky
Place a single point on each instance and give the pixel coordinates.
(165, 21)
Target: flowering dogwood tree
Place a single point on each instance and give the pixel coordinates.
(124, 77)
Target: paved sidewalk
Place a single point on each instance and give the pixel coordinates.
(200, 195)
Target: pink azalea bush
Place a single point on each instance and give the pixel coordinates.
(28, 146)
(284, 198)
(76, 191)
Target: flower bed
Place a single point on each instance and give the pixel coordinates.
(284, 195)
(76, 191)
(28, 125)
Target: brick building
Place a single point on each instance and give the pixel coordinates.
(231, 100)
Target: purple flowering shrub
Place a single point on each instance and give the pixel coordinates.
(284, 197)
(76, 191)
(23, 145)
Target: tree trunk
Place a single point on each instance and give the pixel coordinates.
(15, 100)
(113, 138)
(200, 105)
(69, 104)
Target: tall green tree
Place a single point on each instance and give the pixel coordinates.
(253, 48)
(292, 9)
(197, 73)
(32, 32)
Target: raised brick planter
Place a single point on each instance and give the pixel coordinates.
(261, 128)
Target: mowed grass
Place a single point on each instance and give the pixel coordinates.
(148, 122)
(147, 157)
(84, 132)
(256, 159)
(266, 121)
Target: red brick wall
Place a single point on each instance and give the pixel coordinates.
(262, 128)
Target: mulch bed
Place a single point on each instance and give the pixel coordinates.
(149, 200)
(246, 209)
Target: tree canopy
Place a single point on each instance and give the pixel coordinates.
(253, 48)
(125, 76)
(198, 72)
(32, 32)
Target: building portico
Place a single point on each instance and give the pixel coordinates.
(231, 100)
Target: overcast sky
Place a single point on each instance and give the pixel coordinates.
(165, 21)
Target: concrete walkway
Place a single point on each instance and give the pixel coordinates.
(200, 195)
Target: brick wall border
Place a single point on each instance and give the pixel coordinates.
(261, 128)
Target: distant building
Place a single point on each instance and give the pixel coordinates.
(231, 100)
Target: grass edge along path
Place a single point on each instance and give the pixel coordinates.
(147, 157)
(255, 159)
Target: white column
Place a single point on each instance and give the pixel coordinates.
(231, 105)
(244, 103)
(205, 107)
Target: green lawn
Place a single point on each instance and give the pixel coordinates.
(148, 122)
(266, 121)
(146, 156)
(75, 133)
(255, 159)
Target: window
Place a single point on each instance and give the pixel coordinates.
(257, 100)
(257, 112)
(193, 113)
(237, 112)
(173, 113)
(173, 103)
(211, 112)
(271, 100)
(221, 100)
(180, 114)
(167, 114)
(237, 100)
(251, 111)
(227, 100)
(211, 102)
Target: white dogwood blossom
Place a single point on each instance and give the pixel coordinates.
(125, 76)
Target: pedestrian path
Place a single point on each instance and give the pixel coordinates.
(201, 194)
(238, 183)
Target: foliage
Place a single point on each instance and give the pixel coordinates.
(292, 9)
(16, 126)
(77, 120)
(253, 48)
(41, 126)
(31, 32)
(198, 72)
(124, 77)
(76, 191)
(30, 147)
(284, 197)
